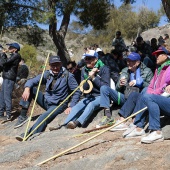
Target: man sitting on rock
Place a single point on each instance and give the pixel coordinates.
(99, 75)
(58, 83)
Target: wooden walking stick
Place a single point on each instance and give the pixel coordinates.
(67, 150)
(36, 97)
(95, 129)
(81, 84)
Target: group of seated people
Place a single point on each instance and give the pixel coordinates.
(148, 90)
(136, 87)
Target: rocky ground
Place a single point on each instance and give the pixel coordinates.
(105, 152)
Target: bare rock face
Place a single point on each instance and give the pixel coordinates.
(156, 32)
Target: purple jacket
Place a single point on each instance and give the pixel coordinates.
(159, 81)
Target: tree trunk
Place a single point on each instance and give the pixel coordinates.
(59, 42)
(58, 37)
(166, 5)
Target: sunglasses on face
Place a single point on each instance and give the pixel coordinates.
(70, 69)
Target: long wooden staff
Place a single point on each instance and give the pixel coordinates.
(62, 153)
(36, 97)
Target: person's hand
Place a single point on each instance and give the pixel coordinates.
(67, 111)
(26, 94)
(93, 72)
(132, 83)
(167, 89)
(123, 81)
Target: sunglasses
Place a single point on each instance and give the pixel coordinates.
(70, 69)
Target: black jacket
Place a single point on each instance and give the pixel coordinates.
(23, 72)
(10, 67)
(3, 58)
(102, 78)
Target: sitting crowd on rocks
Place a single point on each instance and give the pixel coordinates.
(132, 77)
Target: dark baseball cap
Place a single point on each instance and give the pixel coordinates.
(15, 45)
(54, 59)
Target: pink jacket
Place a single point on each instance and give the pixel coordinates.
(159, 82)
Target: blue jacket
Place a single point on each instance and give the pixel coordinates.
(102, 78)
(61, 88)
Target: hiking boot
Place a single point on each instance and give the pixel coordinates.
(121, 126)
(71, 125)
(105, 121)
(154, 136)
(21, 120)
(135, 133)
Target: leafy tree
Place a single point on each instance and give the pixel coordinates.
(125, 19)
(29, 53)
(148, 18)
(47, 11)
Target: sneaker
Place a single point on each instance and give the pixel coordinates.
(153, 137)
(21, 121)
(105, 121)
(135, 133)
(129, 130)
(71, 125)
(121, 126)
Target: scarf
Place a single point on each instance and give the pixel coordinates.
(98, 64)
(167, 63)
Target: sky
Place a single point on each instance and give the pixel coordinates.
(151, 4)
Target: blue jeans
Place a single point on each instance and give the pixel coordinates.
(107, 93)
(83, 110)
(128, 107)
(156, 104)
(132, 101)
(49, 108)
(6, 96)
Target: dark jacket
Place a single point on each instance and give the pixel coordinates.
(145, 49)
(109, 61)
(61, 88)
(10, 67)
(119, 44)
(23, 72)
(102, 78)
(3, 58)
